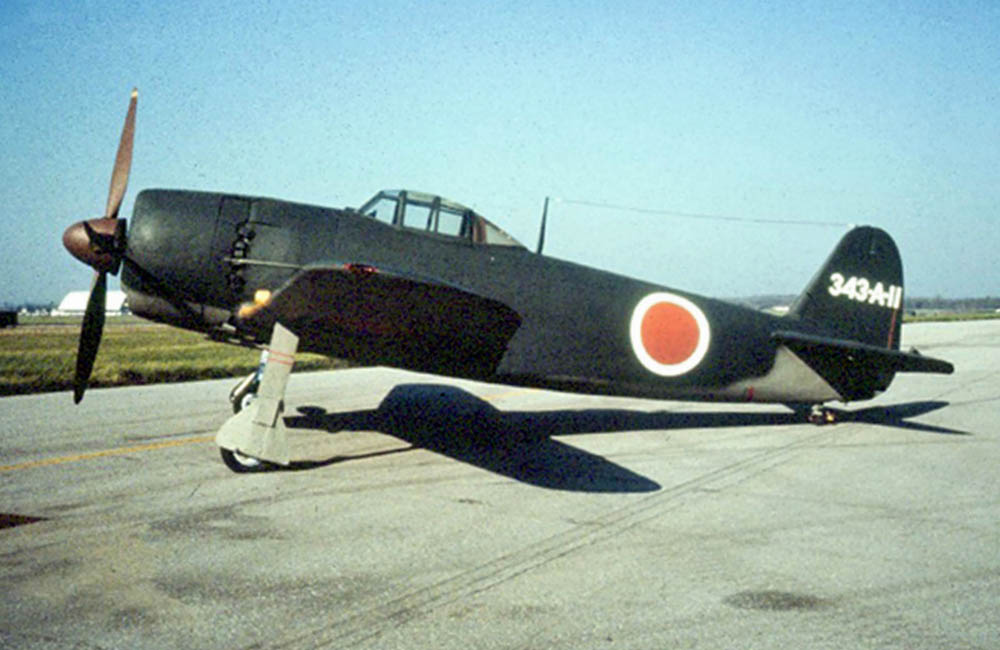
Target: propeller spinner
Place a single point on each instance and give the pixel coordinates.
(100, 243)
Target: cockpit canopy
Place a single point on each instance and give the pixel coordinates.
(435, 214)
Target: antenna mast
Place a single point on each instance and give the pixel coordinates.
(541, 231)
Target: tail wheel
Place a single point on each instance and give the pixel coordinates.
(820, 415)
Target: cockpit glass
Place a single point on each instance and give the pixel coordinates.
(450, 223)
(430, 213)
(381, 208)
(417, 216)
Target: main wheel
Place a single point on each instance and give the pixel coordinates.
(244, 401)
(244, 393)
(241, 464)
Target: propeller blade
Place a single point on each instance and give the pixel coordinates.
(123, 161)
(90, 335)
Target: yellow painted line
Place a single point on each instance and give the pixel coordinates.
(120, 451)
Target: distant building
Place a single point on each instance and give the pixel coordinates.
(75, 303)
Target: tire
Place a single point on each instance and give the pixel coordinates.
(241, 464)
(244, 401)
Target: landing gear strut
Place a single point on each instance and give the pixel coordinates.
(254, 438)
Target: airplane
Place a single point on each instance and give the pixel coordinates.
(416, 281)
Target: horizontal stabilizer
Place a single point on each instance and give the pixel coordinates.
(856, 370)
(885, 358)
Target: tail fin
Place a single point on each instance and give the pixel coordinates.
(857, 294)
(848, 318)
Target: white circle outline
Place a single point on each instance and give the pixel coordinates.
(635, 333)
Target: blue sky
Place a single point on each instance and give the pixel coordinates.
(880, 113)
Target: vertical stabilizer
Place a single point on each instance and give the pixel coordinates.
(858, 292)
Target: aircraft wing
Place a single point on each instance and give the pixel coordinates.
(383, 316)
(861, 353)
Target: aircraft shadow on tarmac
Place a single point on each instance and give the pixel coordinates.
(897, 415)
(520, 445)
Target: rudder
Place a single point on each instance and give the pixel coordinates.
(858, 292)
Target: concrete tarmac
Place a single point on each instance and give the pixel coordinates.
(425, 512)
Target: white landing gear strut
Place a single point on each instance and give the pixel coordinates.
(256, 436)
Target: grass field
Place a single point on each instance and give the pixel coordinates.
(37, 357)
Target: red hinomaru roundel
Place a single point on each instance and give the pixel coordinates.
(670, 334)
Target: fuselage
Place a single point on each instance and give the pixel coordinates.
(194, 258)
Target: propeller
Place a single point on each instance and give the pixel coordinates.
(100, 243)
